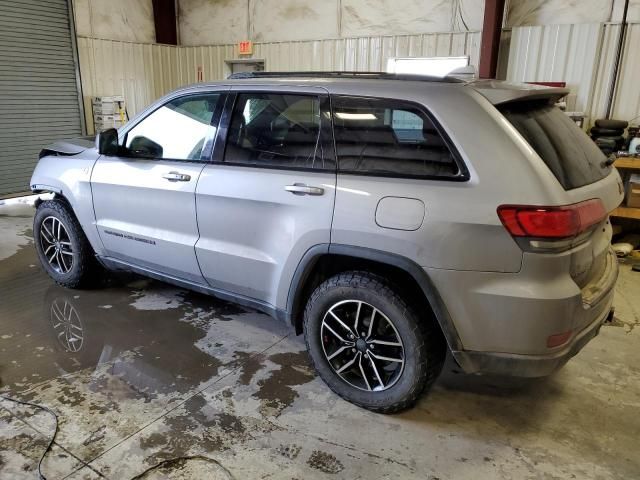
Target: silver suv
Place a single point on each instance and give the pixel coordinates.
(389, 218)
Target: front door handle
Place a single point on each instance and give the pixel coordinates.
(302, 189)
(177, 177)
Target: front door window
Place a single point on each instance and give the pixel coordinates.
(177, 130)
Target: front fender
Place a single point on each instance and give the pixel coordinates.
(70, 177)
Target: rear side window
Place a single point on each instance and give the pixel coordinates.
(389, 137)
(273, 130)
(569, 153)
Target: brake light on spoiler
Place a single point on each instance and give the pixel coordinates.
(553, 227)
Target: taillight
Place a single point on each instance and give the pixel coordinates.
(551, 223)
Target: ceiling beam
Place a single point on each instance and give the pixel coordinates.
(164, 17)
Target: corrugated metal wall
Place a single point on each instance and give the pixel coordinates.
(141, 72)
(555, 53)
(583, 56)
(365, 53)
(144, 72)
(627, 100)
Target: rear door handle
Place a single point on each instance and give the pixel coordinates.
(302, 189)
(177, 177)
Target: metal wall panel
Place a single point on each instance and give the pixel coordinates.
(144, 72)
(583, 56)
(364, 53)
(604, 73)
(141, 72)
(556, 53)
(38, 86)
(627, 96)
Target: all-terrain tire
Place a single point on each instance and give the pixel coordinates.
(424, 346)
(84, 269)
(606, 132)
(611, 124)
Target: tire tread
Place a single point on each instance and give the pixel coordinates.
(88, 266)
(429, 345)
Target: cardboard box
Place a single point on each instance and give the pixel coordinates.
(105, 109)
(633, 191)
(108, 99)
(102, 122)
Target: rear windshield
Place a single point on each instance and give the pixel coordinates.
(570, 154)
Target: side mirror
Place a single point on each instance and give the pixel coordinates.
(144, 147)
(107, 142)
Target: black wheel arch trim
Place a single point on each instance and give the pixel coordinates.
(311, 257)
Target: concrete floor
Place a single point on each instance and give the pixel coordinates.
(141, 373)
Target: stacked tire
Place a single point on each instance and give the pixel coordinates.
(609, 135)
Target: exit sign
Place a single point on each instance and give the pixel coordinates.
(245, 48)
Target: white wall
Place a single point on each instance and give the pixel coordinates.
(555, 12)
(551, 40)
(210, 22)
(125, 20)
(287, 34)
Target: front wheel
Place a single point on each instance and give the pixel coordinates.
(368, 345)
(63, 248)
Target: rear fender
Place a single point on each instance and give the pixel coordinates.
(425, 284)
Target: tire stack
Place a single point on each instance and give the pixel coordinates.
(609, 135)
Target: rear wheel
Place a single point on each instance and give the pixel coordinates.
(63, 248)
(368, 345)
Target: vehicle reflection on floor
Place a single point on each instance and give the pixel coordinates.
(154, 347)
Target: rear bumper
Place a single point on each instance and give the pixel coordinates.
(504, 321)
(529, 365)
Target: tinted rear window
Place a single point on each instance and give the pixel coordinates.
(569, 153)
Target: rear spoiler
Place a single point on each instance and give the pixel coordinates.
(499, 92)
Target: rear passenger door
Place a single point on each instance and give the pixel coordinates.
(268, 195)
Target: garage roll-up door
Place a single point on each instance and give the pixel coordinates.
(39, 100)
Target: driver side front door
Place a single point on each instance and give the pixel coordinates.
(144, 199)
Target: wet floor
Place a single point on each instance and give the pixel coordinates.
(151, 381)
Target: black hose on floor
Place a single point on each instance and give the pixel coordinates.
(161, 464)
(55, 432)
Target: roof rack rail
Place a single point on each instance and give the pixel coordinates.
(346, 74)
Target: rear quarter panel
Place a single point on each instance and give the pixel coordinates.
(461, 229)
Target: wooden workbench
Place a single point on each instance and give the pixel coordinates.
(629, 164)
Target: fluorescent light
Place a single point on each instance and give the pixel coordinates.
(355, 116)
(434, 66)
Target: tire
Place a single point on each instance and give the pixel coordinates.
(606, 132)
(604, 142)
(422, 346)
(613, 124)
(618, 140)
(70, 261)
